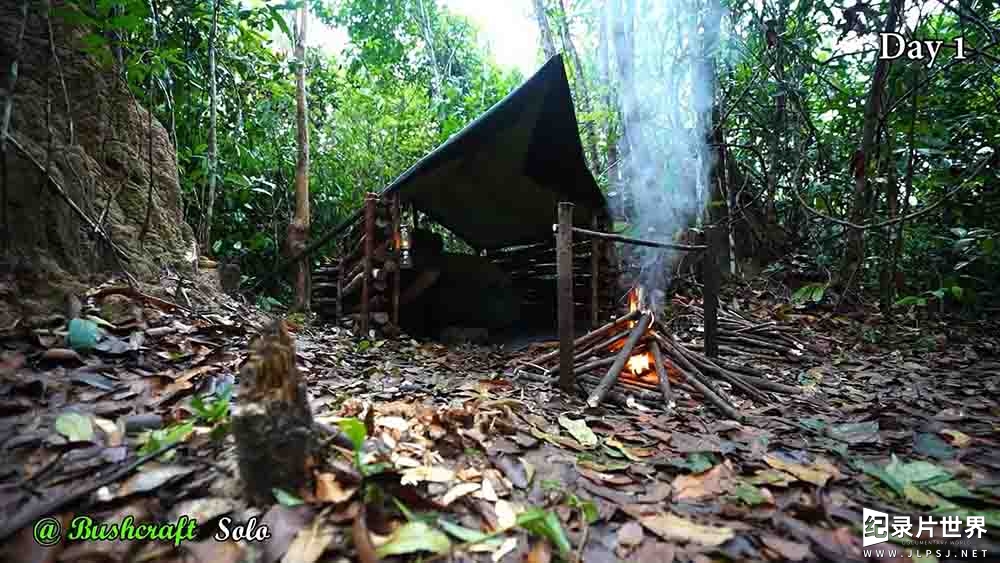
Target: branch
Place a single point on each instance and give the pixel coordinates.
(869, 226)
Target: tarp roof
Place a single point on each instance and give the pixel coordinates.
(497, 182)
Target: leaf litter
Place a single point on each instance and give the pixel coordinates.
(447, 454)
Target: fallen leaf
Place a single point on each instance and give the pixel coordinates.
(329, 489)
(413, 537)
(459, 491)
(309, 544)
(931, 445)
(579, 430)
(431, 473)
(855, 432)
(75, 427)
(817, 474)
(506, 516)
(750, 494)
(956, 438)
(214, 551)
(506, 547)
(716, 481)
(917, 496)
(671, 527)
(541, 552)
(915, 471)
(630, 534)
(151, 478)
(487, 492)
(609, 478)
(61, 355)
(788, 550)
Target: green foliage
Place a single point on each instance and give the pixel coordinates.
(810, 292)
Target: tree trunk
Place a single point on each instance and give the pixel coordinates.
(299, 227)
(205, 236)
(622, 33)
(544, 32)
(854, 254)
(580, 86)
(610, 131)
(777, 148)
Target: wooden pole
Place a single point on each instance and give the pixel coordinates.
(564, 273)
(587, 233)
(711, 292)
(339, 306)
(595, 278)
(370, 200)
(661, 374)
(398, 253)
(597, 395)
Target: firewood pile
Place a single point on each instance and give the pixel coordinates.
(532, 270)
(645, 363)
(743, 336)
(369, 245)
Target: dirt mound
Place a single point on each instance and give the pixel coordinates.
(96, 150)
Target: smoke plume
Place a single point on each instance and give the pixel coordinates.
(663, 53)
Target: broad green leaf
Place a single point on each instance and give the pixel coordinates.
(75, 427)
(285, 498)
(914, 471)
(83, 334)
(579, 430)
(749, 494)
(413, 537)
(545, 524)
(355, 431)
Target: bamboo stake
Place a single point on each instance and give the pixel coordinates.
(595, 278)
(564, 268)
(398, 253)
(369, 250)
(711, 293)
(597, 395)
(661, 374)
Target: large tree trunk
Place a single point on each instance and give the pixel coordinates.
(544, 31)
(205, 236)
(580, 86)
(861, 196)
(298, 229)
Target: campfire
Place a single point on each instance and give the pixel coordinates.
(645, 362)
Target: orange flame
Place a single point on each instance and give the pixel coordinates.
(639, 363)
(633, 300)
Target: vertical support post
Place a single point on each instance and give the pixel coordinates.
(370, 200)
(398, 253)
(339, 305)
(595, 276)
(711, 293)
(564, 273)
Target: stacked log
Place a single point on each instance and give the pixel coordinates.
(363, 282)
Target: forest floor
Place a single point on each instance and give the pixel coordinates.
(462, 461)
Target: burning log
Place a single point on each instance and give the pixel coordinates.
(597, 395)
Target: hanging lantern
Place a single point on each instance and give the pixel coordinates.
(406, 260)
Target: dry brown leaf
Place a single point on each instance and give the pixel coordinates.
(506, 514)
(506, 547)
(788, 550)
(328, 489)
(431, 473)
(817, 474)
(956, 438)
(671, 527)
(309, 544)
(716, 481)
(630, 534)
(459, 491)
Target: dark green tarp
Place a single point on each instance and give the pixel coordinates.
(497, 182)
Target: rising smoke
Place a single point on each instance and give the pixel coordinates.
(663, 53)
